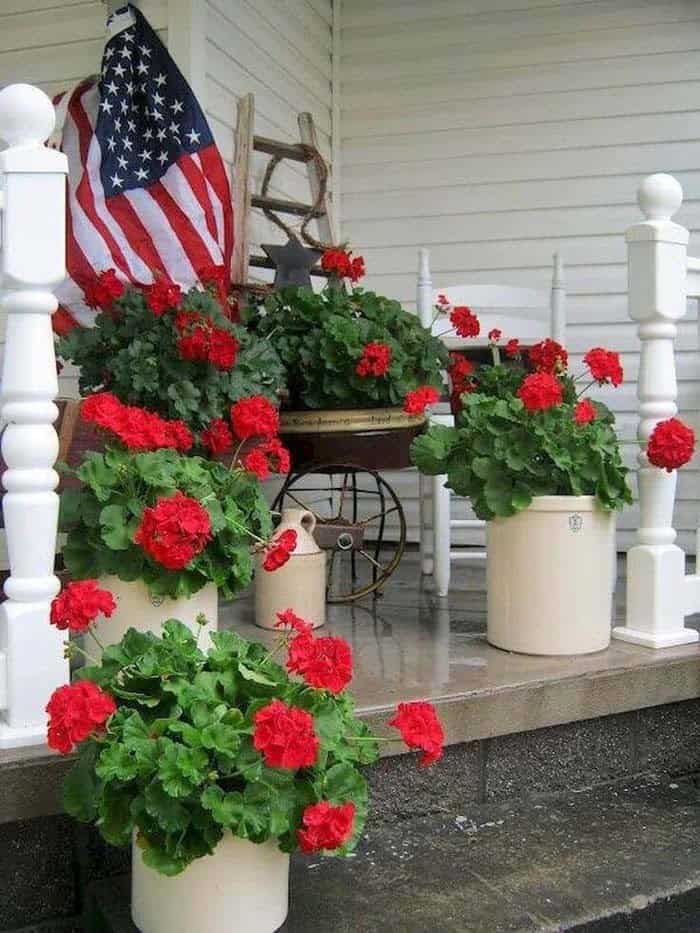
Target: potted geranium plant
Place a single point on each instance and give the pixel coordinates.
(541, 464)
(176, 354)
(352, 358)
(165, 530)
(216, 766)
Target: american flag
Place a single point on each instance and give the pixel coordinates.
(148, 192)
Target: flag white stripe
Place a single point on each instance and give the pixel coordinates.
(215, 203)
(170, 250)
(175, 183)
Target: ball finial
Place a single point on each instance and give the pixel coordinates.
(27, 116)
(660, 196)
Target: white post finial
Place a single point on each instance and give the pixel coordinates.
(32, 263)
(658, 262)
(660, 196)
(424, 292)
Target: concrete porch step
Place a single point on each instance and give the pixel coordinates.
(619, 857)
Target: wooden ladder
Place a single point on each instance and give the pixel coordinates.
(244, 199)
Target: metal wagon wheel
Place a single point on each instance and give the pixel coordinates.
(352, 506)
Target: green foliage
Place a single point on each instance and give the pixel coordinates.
(177, 763)
(133, 353)
(320, 337)
(499, 455)
(102, 516)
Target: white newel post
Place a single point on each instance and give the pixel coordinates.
(425, 311)
(656, 583)
(32, 263)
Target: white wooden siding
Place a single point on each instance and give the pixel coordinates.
(281, 51)
(497, 131)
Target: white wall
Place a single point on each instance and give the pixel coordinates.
(496, 131)
(280, 50)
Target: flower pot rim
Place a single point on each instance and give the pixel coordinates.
(560, 504)
(337, 420)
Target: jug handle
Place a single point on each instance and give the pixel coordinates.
(307, 520)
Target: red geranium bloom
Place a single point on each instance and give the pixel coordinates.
(324, 663)
(289, 619)
(584, 412)
(604, 365)
(417, 401)
(75, 712)
(540, 391)
(420, 727)
(459, 371)
(174, 531)
(214, 278)
(495, 335)
(80, 603)
(136, 428)
(548, 356)
(375, 360)
(325, 826)
(102, 409)
(217, 437)
(280, 550)
(194, 346)
(104, 290)
(285, 735)
(178, 435)
(256, 462)
(341, 263)
(223, 349)
(671, 444)
(512, 348)
(162, 295)
(254, 417)
(270, 457)
(443, 301)
(464, 321)
(357, 268)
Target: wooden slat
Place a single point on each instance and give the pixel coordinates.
(326, 227)
(273, 147)
(242, 187)
(281, 206)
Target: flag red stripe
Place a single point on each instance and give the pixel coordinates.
(215, 172)
(84, 193)
(199, 189)
(182, 226)
(139, 238)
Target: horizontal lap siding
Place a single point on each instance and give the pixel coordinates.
(280, 50)
(497, 131)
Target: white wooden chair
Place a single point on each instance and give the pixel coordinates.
(527, 314)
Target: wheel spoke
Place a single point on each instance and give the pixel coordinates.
(372, 561)
(366, 521)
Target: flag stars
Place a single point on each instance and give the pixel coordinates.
(141, 174)
(161, 134)
(111, 88)
(119, 70)
(160, 80)
(126, 52)
(156, 114)
(176, 107)
(128, 144)
(123, 106)
(131, 126)
(129, 88)
(106, 106)
(174, 128)
(111, 144)
(128, 36)
(145, 155)
(109, 52)
(142, 68)
(148, 133)
(117, 182)
(158, 99)
(122, 162)
(163, 158)
(145, 51)
(193, 137)
(118, 125)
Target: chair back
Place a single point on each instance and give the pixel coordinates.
(528, 314)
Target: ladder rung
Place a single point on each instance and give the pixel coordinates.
(288, 150)
(262, 262)
(285, 207)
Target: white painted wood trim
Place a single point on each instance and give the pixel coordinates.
(336, 191)
(187, 43)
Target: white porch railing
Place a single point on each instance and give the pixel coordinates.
(32, 262)
(661, 278)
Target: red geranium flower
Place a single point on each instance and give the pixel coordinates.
(512, 348)
(194, 346)
(102, 409)
(80, 603)
(178, 435)
(325, 826)
(375, 360)
(162, 295)
(174, 531)
(671, 444)
(540, 391)
(464, 321)
(584, 412)
(214, 278)
(548, 356)
(104, 290)
(420, 727)
(285, 735)
(604, 366)
(217, 437)
(417, 401)
(280, 550)
(223, 349)
(254, 417)
(289, 619)
(357, 268)
(136, 428)
(75, 712)
(443, 301)
(495, 335)
(459, 371)
(324, 663)
(269, 457)
(341, 263)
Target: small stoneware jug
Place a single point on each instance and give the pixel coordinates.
(301, 583)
